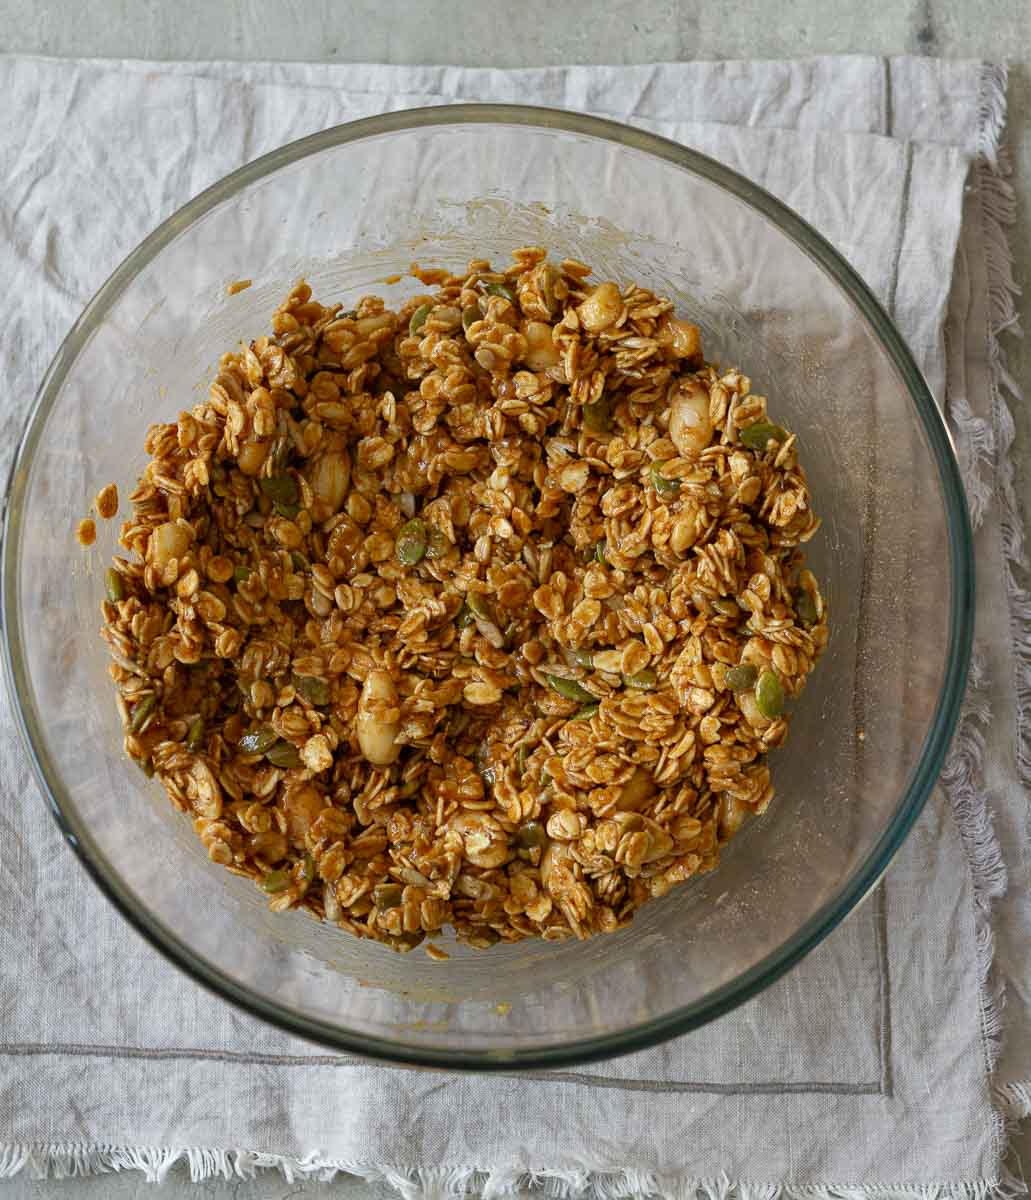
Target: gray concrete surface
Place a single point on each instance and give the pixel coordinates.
(511, 33)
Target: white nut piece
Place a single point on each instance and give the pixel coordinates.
(168, 541)
(484, 842)
(639, 788)
(377, 732)
(690, 427)
(541, 351)
(750, 711)
(601, 309)
(685, 339)
(731, 815)
(331, 478)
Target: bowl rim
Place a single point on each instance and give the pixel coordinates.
(729, 995)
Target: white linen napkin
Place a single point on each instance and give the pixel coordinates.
(878, 1064)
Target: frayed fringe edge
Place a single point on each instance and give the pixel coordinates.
(988, 473)
(445, 1183)
(998, 213)
(1015, 1099)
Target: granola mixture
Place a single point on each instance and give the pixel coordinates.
(479, 614)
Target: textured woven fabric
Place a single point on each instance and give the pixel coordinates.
(870, 1065)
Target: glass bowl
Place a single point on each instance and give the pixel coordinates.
(349, 208)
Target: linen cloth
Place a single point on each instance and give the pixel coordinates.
(878, 1063)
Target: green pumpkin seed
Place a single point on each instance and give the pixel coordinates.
(411, 542)
(586, 713)
(569, 689)
(276, 881)
(241, 574)
(644, 680)
(386, 896)
(465, 617)
(662, 485)
(499, 289)
(437, 544)
(113, 585)
(195, 735)
(300, 563)
(280, 489)
(741, 678)
(283, 754)
(769, 695)
(598, 416)
(419, 318)
(726, 607)
(583, 658)
(286, 511)
(308, 869)
(758, 436)
(315, 691)
(599, 552)
(142, 713)
(531, 836)
(470, 315)
(257, 741)
(480, 606)
(521, 756)
(805, 607)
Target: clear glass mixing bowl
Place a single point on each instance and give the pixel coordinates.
(347, 208)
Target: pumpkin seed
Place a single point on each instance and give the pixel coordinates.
(241, 574)
(386, 896)
(465, 616)
(569, 689)
(644, 680)
(662, 485)
(758, 436)
(480, 606)
(300, 563)
(195, 735)
(315, 691)
(286, 511)
(283, 754)
(741, 678)
(113, 585)
(280, 489)
(470, 315)
(411, 542)
(437, 544)
(598, 416)
(805, 607)
(769, 695)
(307, 869)
(583, 658)
(419, 318)
(499, 289)
(599, 552)
(276, 881)
(531, 836)
(586, 713)
(257, 741)
(142, 713)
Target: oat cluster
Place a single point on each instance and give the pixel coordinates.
(479, 614)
